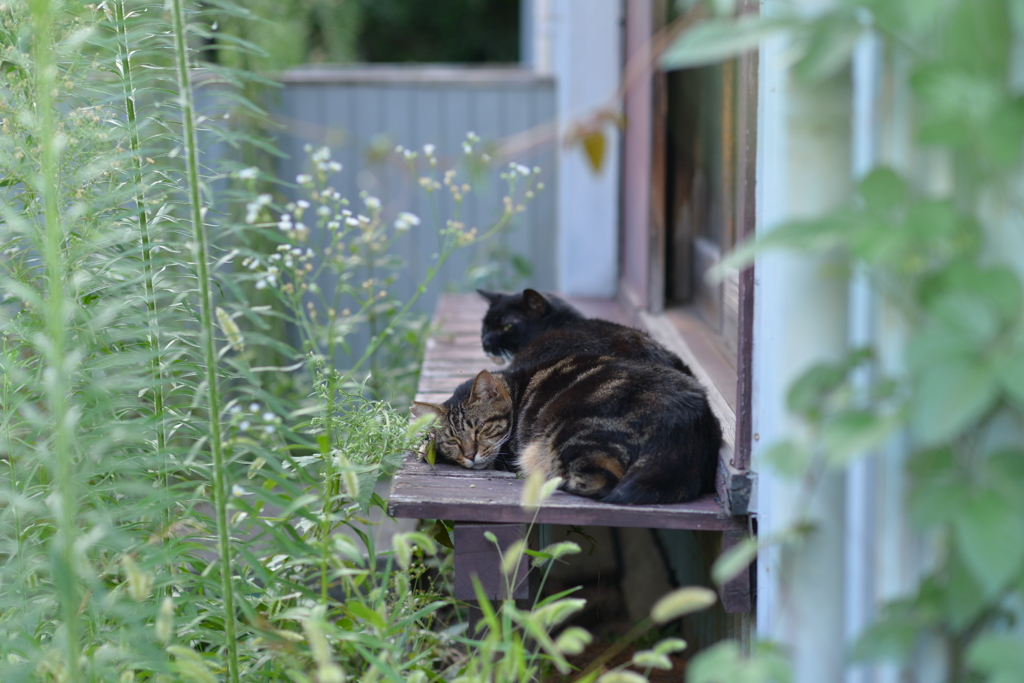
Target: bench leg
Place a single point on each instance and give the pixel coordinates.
(737, 594)
(475, 556)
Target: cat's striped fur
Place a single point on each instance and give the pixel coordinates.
(618, 430)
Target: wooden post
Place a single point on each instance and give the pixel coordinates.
(736, 595)
(476, 556)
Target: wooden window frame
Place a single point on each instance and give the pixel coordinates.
(727, 375)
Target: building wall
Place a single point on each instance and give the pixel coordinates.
(585, 40)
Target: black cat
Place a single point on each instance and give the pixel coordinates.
(529, 328)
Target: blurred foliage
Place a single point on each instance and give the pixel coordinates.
(930, 253)
(443, 31)
(287, 33)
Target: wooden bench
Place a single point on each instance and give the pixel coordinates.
(479, 501)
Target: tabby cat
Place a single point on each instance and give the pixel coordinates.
(531, 327)
(619, 430)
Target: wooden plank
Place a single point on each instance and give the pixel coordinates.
(450, 492)
(746, 219)
(736, 595)
(475, 556)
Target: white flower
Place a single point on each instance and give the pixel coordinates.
(244, 425)
(352, 221)
(248, 173)
(467, 148)
(261, 284)
(428, 149)
(372, 203)
(303, 179)
(237, 490)
(406, 220)
(522, 170)
(235, 409)
(333, 225)
(409, 154)
(254, 407)
(302, 204)
(269, 429)
(324, 211)
(264, 199)
(268, 416)
(333, 166)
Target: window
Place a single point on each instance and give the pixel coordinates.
(688, 197)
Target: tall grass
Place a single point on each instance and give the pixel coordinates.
(58, 363)
(169, 510)
(206, 334)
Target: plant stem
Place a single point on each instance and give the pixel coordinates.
(153, 339)
(57, 308)
(207, 340)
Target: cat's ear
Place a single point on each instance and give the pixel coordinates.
(535, 301)
(421, 409)
(487, 388)
(492, 297)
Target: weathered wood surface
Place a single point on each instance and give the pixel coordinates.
(476, 557)
(450, 492)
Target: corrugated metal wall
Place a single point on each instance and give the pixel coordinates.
(360, 112)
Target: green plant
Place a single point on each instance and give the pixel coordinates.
(166, 513)
(931, 257)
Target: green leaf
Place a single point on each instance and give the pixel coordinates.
(969, 316)
(358, 609)
(1011, 376)
(891, 637)
(856, 432)
(829, 46)
(950, 398)
(940, 491)
(1000, 656)
(883, 189)
(964, 598)
(788, 458)
(733, 561)
(715, 40)
(936, 344)
(805, 395)
(990, 539)
(439, 532)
